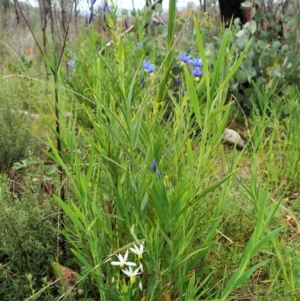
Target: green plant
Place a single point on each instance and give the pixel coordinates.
(143, 180)
(273, 57)
(155, 206)
(27, 243)
(14, 138)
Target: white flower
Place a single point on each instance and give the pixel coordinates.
(123, 261)
(132, 274)
(138, 250)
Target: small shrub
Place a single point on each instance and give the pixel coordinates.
(27, 243)
(14, 138)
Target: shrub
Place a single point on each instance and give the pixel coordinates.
(14, 138)
(27, 242)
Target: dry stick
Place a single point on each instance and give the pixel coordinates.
(60, 242)
(28, 26)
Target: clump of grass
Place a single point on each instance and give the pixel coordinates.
(143, 181)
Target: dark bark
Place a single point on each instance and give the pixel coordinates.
(231, 9)
(63, 16)
(44, 11)
(6, 5)
(204, 5)
(17, 12)
(76, 14)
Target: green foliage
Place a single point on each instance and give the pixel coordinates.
(147, 177)
(273, 58)
(14, 137)
(20, 66)
(141, 180)
(27, 242)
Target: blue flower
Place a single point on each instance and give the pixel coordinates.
(153, 165)
(91, 14)
(196, 62)
(148, 67)
(182, 92)
(184, 58)
(71, 63)
(90, 18)
(178, 81)
(138, 45)
(104, 6)
(197, 72)
(159, 174)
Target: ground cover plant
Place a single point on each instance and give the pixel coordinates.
(127, 191)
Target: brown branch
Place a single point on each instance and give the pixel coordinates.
(66, 35)
(28, 26)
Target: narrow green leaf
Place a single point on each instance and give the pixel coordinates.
(81, 259)
(75, 219)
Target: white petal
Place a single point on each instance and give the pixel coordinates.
(141, 268)
(141, 285)
(132, 264)
(115, 263)
(136, 272)
(125, 256)
(128, 272)
(120, 257)
(135, 249)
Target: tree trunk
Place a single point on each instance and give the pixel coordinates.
(231, 9)
(17, 12)
(63, 17)
(6, 6)
(76, 14)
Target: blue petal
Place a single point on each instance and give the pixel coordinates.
(153, 165)
(197, 72)
(196, 62)
(90, 18)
